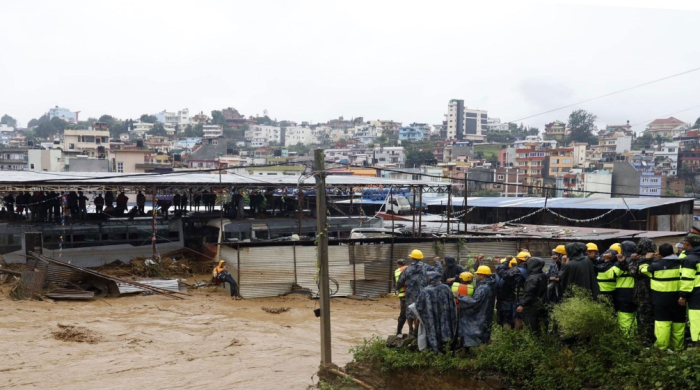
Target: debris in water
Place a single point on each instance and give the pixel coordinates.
(78, 334)
(276, 310)
(234, 343)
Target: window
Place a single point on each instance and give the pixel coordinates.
(31, 166)
(215, 142)
(120, 167)
(499, 177)
(555, 161)
(71, 146)
(554, 170)
(272, 173)
(566, 161)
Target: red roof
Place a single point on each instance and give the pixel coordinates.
(667, 121)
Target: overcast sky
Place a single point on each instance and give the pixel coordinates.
(317, 60)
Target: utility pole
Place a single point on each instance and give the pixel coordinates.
(322, 253)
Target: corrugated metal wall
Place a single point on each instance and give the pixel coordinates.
(363, 269)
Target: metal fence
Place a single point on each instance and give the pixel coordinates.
(359, 268)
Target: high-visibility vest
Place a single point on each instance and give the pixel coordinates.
(397, 273)
(462, 289)
(665, 275)
(606, 280)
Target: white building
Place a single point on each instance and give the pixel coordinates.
(5, 129)
(297, 135)
(173, 121)
(366, 134)
(258, 135)
(597, 184)
(465, 124)
(212, 131)
(579, 153)
(389, 156)
(46, 160)
(669, 152)
(140, 129)
(494, 124)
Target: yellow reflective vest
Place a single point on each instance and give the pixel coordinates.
(397, 273)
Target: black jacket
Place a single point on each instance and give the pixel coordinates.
(579, 270)
(535, 290)
(452, 269)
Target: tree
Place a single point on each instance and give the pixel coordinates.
(158, 129)
(697, 124)
(8, 120)
(44, 130)
(416, 158)
(217, 117)
(59, 124)
(145, 118)
(36, 122)
(582, 125)
(493, 159)
(194, 131)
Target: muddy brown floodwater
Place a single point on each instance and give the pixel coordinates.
(207, 341)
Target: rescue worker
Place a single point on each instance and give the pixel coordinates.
(401, 292)
(690, 283)
(437, 311)
(579, 270)
(414, 281)
(221, 273)
(554, 288)
(517, 276)
(669, 316)
(645, 253)
(681, 250)
(452, 270)
(592, 250)
(534, 299)
(463, 285)
(505, 295)
(616, 247)
(606, 275)
(623, 297)
(476, 312)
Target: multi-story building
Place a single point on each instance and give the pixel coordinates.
(258, 135)
(560, 160)
(666, 157)
(140, 129)
(624, 129)
(174, 121)
(92, 143)
(13, 158)
(386, 126)
(297, 135)
(637, 178)
(616, 142)
(454, 150)
(64, 113)
(579, 153)
(530, 163)
(425, 128)
(212, 131)
(465, 124)
(200, 118)
(410, 133)
(46, 160)
(556, 131)
(366, 134)
(495, 125)
(666, 128)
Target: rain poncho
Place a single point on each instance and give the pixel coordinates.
(579, 270)
(642, 288)
(452, 269)
(414, 278)
(437, 311)
(476, 314)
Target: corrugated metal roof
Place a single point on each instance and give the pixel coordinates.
(560, 203)
(189, 178)
(556, 232)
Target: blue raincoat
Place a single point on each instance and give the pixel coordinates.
(438, 312)
(476, 314)
(414, 278)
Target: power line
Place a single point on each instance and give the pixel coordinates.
(607, 94)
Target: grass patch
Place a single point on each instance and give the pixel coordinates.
(488, 149)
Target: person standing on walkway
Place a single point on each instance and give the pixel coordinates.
(141, 203)
(414, 280)
(99, 203)
(401, 292)
(669, 316)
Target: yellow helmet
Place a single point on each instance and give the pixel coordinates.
(616, 246)
(512, 263)
(591, 247)
(560, 250)
(503, 261)
(483, 270)
(416, 254)
(522, 256)
(466, 277)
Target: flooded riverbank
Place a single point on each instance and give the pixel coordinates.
(157, 343)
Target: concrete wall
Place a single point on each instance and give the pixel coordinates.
(88, 165)
(625, 179)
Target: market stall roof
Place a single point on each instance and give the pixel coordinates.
(190, 178)
(560, 203)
